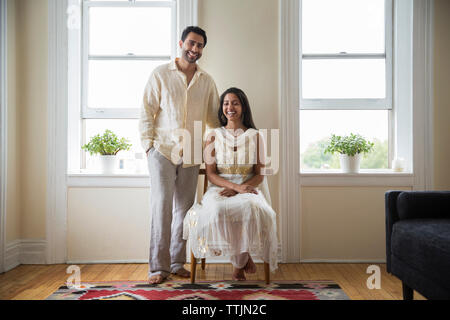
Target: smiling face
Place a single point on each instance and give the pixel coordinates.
(232, 107)
(192, 47)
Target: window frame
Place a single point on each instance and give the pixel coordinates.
(117, 113)
(186, 15)
(413, 99)
(420, 109)
(358, 104)
(355, 104)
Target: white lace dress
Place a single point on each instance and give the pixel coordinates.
(229, 226)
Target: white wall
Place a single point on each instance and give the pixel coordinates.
(242, 51)
(31, 103)
(442, 95)
(13, 221)
(344, 223)
(108, 224)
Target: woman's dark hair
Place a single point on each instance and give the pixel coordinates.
(247, 119)
(196, 30)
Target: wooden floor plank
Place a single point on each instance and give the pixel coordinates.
(211, 269)
(336, 273)
(360, 285)
(260, 271)
(340, 273)
(358, 272)
(96, 272)
(40, 281)
(304, 275)
(139, 273)
(220, 272)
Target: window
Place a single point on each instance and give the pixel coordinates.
(346, 79)
(120, 42)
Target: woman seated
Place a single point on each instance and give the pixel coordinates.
(235, 217)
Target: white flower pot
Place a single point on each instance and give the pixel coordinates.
(350, 164)
(109, 164)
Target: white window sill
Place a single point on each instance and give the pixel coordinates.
(332, 178)
(362, 172)
(363, 178)
(97, 173)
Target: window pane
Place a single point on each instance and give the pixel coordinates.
(126, 128)
(118, 83)
(344, 79)
(120, 31)
(352, 26)
(317, 126)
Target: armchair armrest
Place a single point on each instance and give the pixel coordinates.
(391, 217)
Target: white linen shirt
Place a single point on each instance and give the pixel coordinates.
(170, 104)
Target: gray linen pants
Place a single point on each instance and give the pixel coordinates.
(172, 190)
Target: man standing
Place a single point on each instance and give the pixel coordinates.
(177, 94)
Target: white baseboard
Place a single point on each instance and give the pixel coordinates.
(93, 261)
(24, 252)
(33, 251)
(220, 259)
(12, 255)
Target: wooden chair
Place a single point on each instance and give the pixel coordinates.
(203, 260)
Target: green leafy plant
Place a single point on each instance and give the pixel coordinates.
(107, 144)
(349, 145)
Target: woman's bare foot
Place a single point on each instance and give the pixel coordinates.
(250, 267)
(238, 275)
(156, 279)
(182, 273)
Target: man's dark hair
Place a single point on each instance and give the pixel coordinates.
(196, 30)
(247, 119)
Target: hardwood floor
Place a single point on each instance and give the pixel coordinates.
(36, 282)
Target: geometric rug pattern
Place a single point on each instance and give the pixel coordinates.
(202, 290)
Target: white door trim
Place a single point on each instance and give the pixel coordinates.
(423, 94)
(56, 223)
(4, 129)
(290, 231)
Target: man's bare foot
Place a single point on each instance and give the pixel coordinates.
(250, 267)
(156, 279)
(238, 275)
(182, 273)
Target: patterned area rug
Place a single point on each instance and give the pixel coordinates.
(202, 290)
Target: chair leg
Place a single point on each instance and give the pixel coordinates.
(408, 293)
(203, 263)
(193, 267)
(267, 272)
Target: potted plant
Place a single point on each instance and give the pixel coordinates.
(107, 146)
(350, 149)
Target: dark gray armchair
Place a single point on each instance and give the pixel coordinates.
(418, 241)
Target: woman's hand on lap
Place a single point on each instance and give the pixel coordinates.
(246, 188)
(228, 192)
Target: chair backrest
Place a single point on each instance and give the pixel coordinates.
(205, 182)
(423, 204)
